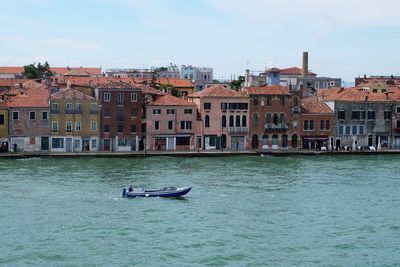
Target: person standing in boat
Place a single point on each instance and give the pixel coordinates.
(130, 189)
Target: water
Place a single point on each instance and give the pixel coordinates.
(242, 211)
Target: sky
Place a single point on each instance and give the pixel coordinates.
(344, 38)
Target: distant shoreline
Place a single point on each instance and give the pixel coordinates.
(193, 153)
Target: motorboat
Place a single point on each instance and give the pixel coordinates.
(162, 192)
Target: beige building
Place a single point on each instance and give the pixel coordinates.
(74, 121)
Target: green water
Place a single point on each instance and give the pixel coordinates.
(242, 211)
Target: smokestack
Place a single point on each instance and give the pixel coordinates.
(247, 78)
(305, 64)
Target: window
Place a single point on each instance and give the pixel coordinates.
(45, 115)
(387, 115)
(231, 121)
(94, 143)
(107, 112)
(347, 129)
(156, 125)
(224, 105)
(354, 130)
(361, 129)
(269, 100)
(398, 124)
(1, 119)
(93, 107)
(170, 111)
(188, 111)
(244, 121)
(255, 101)
(68, 126)
(341, 115)
(355, 115)
(78, 106)
(120, 115)
(93, 126)
(207, 105)
(207, 121)
(78, 125)
(305, 126)
(106, 128)
(371, 114)
(295, 102)
(340, 129)
(120, 128)
(223, 121)
(133, 112)
(15, 115)
(54, 126)
(322, 125)
(133, 97)
(157, 111)
(262, 103)
(282, 101)
(133, 128)
(186, 125)
(69, 106)
(255, 117)
(170, 125)
(57, 142)
(362, 114)
(327, 126)
(311, 125)
(237, 121)
(54, 106)
(107, 97)
(398, 109)
(120, 99)
(32, 115)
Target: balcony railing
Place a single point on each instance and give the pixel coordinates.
(69, 111)
(55, 111)
(238, 130)
(78, 111)
(271, 127)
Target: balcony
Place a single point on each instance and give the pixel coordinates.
(238, 130)
(78, 111)
(69, 111)
(296, 109)
(55, 111)
(271, 127)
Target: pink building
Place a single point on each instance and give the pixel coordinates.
(225, 118)
(171, 124)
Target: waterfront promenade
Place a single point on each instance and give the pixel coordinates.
(195, 153)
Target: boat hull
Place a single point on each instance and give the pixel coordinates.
(157, 193)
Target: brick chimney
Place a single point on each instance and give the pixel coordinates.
(305, 64)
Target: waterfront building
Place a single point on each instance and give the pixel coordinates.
(275, 117)
(172, 124)
(4, 138)
(29, 117)
(74, 121)
(121, 116)
(225, 118)
(317, 124)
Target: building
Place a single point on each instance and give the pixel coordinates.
(29, 120)
(4, 138)
(74, 121)
(275, 117)
(171, 71)
(121, 116)
(16, 72)
(179, 87)
(172, 124)
(317, 124)
(198, 75)
(225, 118)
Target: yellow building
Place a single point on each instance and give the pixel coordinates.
(75, 124)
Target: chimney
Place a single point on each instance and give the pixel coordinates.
(305, 64)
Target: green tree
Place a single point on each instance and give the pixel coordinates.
(39, 71)
(237, 84)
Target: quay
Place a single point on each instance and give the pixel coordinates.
(194, 153)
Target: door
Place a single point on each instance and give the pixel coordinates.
(254, 141)
(171, 143)
(370, 140)
(85, 145)
(68, 144)
(106, 145)
(44, 143)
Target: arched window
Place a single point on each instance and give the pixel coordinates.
(268, 118)
(269, 100)
(255, 117)
(294, 141)
(282, 100)
(282, 118)
(237, 121)
(207, 121)
(275, 119)
(284, 141)
(306, 125)
(322, 125)
(295, 101)
(244, 121)
(275, 140)
(223, 121)
(265, 140)
(311, 124)
(231, 121)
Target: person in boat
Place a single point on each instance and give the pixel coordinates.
(130, 189)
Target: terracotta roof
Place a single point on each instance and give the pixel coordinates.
(11, 70)
(355, 94)
(11, 82)
(176, 82)
(315, 106)
(90, 81)
(32, 94)
(55, 70)
(73, 94)
(170, 100)
(151, 91)
(121, 85)
(268, 90)
(218, 91)
(295, 71)
(77, 72)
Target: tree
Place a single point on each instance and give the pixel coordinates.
(237, 84)
(40, 71)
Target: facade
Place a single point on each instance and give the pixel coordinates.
(198, 75)
(172, 124)
(317, 124)
(121, 116)
(275, 117)
(181, 87)
(4, 140)
(225, 118)
(74, 121)
(171, 71)
(16, 72)
(29, 117)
